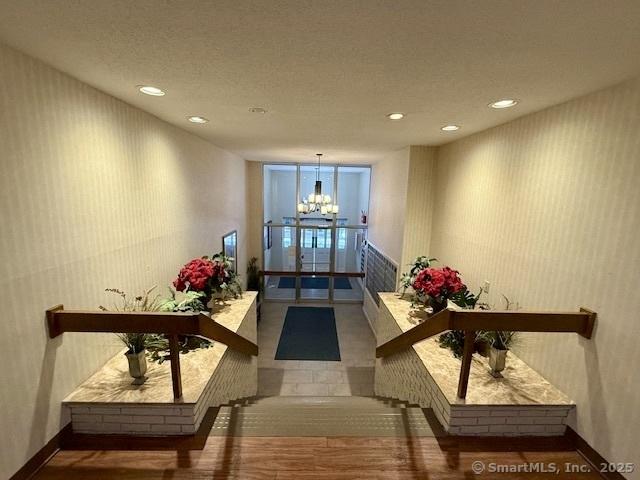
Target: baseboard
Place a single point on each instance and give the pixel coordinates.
(65, 439)
(592, 456)
(43, 455)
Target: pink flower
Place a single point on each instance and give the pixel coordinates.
(438, 282)
(195, 275)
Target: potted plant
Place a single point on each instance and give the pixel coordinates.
(435, 286)
(210, 276)
(254, 283)
(500, 341)
(419, 264)
(135, 342)
(157, 345)
(253, 276)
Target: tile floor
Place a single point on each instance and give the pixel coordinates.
(353, 375)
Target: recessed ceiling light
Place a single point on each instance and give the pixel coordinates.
(450, 128)
(149, 90)
(197, 119)
(395, 116)
(504, 103)
(257, 110)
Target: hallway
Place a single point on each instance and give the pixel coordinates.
(353, 375)
(340, 240)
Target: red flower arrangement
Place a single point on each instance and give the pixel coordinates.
(195, 275)
(208, 276)
(438, 283)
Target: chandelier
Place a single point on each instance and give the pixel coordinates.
(316, 201)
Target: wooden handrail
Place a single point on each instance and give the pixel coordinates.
(170, 324)
(436, 324)
(518, 321)
(470, 321)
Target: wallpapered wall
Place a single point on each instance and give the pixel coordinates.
(547, 209)
(95, 194)
(387, 203)
(419, 205)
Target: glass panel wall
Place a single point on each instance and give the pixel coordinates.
(300, 242)
(353, 195)
(349, 258)
(279, 193)
(279, 245)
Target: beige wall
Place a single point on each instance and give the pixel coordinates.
(547, 209)
(419, 204)
(95, 194)
(254, 211)
(387, 203)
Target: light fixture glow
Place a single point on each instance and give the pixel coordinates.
(504, 103)
(197, 119)
(317, 202)
(395, 116)
(149, 90)
(450, 128)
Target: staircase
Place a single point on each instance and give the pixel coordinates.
(321, 417)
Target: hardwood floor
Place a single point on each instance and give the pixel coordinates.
(302, 458)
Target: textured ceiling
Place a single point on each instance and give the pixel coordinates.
(328, 71)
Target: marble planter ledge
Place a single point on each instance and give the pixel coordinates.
(428, 375)
(108, 402)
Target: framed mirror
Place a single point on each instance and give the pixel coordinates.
(230, 248)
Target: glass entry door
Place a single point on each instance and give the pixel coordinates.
(314, 257)
(310, 256)
(315, 249)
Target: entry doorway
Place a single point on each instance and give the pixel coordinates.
(314, 257)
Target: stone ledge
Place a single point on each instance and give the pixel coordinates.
(108, 403)
(521, 403)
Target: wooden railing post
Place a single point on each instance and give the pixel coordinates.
(170, 324)
(174, 355)
(465, 368)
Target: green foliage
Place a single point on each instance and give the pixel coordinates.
(454, 339)
(465, 299)
(502, 340)
(420, 263)
(231, 286)
(158, 345)
(253, 275)
(191, 302)
(135, 342)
